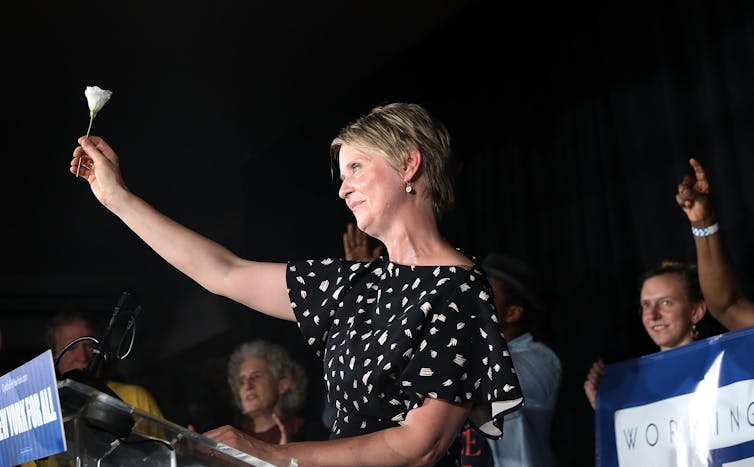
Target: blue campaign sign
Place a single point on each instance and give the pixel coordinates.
(693, 405)
(31, 424)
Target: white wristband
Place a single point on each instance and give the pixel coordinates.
(705, 231)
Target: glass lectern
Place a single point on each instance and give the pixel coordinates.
(104, 431)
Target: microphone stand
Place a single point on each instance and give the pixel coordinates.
(100, 351)
(89, 376)
(97, 414)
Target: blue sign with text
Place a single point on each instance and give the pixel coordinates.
(31, 424)
(692, 405)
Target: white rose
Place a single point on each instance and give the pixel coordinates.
(96, 98)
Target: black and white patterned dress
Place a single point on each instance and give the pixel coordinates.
(391, 335)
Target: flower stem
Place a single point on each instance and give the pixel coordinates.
(88, 130)
(91, 119)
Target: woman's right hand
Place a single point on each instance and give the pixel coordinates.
(592, 383)
(99, 165)
(243, 442)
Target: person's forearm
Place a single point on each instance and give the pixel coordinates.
(423, 439)
(718, 279)
(391, 447)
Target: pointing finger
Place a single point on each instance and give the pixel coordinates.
(702, 184)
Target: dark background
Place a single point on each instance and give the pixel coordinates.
(573, 125)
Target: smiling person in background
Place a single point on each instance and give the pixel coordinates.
(671, 305)
(410, 346)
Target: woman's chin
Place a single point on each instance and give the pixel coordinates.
(362, 225)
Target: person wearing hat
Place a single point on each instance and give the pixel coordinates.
(522, 316)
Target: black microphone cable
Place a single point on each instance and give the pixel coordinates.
(130, 326)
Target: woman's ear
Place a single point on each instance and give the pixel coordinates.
(698, 311)
(284, 385)
(411, 165)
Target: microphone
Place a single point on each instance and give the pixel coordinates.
(98, 354)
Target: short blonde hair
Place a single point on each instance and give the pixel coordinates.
(394, 130)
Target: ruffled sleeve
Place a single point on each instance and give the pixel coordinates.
(464, 357)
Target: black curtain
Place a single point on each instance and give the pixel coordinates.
(572, 124)
(573, 128)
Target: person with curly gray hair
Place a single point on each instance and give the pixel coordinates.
(270, 387)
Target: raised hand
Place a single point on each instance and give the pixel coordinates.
(694, 197)
(592, 383)
(356, 245)
(281, 427)
(99, 166)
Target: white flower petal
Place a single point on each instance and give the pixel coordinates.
(96, 98)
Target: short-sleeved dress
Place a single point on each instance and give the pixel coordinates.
(391, 335)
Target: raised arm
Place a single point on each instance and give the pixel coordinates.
(421, 441)
(258, 285)
(719, 281)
